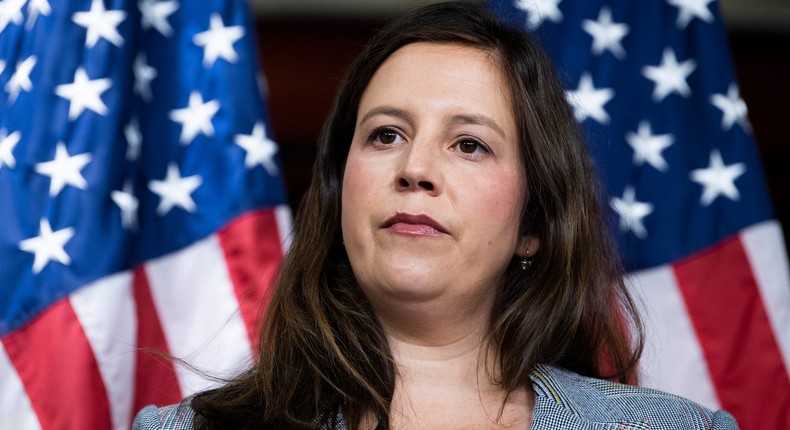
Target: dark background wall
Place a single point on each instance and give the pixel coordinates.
(762, 63)
(304, 60)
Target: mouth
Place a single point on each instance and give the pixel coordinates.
(416, 225)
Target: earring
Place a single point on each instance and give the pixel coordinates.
(526, 263)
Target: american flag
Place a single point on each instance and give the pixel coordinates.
(652, 84)
(142, 206)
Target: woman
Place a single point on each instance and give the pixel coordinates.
(450, 267)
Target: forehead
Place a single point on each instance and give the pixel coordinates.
(451, 75)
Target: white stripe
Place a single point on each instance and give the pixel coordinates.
(199, 313)
(672, 360)
(767, 255)
(282, 215)
(106, 311)
(16, 411)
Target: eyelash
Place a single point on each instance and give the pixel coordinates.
(377, 134)
(479, 144)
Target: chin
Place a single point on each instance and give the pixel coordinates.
(406, 284)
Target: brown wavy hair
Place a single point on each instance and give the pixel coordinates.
(322, 349)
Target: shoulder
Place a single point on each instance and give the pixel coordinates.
(173, 417)
(568, 398)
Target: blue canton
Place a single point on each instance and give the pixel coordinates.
(127, 130)
(652, 85)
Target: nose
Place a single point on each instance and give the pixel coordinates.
(420, 170)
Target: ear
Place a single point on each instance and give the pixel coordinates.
(527, 246)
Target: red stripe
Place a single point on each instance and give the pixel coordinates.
(155, 376)
(251, 244)
(737, 339)
(57, 367)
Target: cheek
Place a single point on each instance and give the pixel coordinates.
(355, 199)
(351, 188)
(498, 205)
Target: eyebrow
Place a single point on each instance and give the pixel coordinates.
(389, 111)
(474, 119)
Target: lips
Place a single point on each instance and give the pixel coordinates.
(419, 225)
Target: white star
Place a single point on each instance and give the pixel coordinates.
(133, 139)
(47, 246)
(7, 144)
(175, 190)
(648, 147)
(2, 66)
(155, 14)
(128, 204)
(718, 179)
(670, 76)
(84, 93)
(143, 75)
(732, 107)
(606, 34)
(260, 149)
(20, 80)
(218, 41)
(10, 12)
(587, 101)
(100, 23)
(632, 212)
(36, 8)
(64, 170)
(689, 9)
(195, 118)
(539, 10)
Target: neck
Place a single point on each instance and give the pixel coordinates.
(444, 376)
(449, 386)
(438, 340)
(441, 324)
(458, 365)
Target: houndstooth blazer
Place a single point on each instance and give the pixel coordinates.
(563, 400)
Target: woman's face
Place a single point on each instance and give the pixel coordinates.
(433, 185)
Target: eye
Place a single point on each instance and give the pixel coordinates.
(386, 136)
(469, 146)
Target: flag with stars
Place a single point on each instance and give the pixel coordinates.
(652, 84)
(142, 208)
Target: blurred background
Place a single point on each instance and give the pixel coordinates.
(307, 44)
